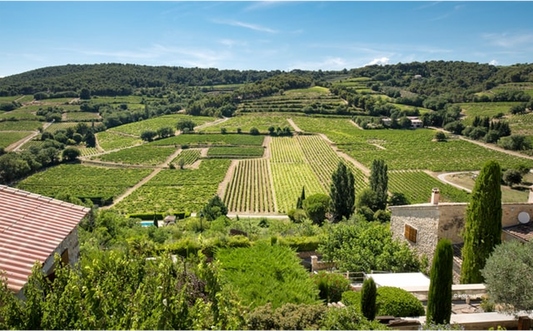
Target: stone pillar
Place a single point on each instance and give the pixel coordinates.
(435, 196)
(314, 263)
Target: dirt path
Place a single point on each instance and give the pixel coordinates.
(145, 179)
(345, 156)
(294, 126)
(208, 124)
(133, 188)
(266, 145)
(482, 144)
(18, 144)
(227, 179)
(442, 178)
(356, 125)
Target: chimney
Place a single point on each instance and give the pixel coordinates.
(435, 195)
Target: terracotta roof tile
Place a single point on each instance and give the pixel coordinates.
(31, 227)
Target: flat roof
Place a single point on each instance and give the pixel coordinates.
(405, 280)
(31, 228)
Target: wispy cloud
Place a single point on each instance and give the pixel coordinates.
(329, 63)
(455, 9)
(260, 5)
(179, 55)
(250, 26)
(510, 40)
(428, 5)
(381, 61)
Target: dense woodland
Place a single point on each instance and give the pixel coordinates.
(189, 125)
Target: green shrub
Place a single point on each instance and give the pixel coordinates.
(301, 244)
(263, 274)
(297, 215)
(239, 241)
(348, 318)
(287, 317)
(390, 301)
(398, 302)
(331, 286)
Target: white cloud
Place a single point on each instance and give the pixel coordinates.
(493, 62)
(381, 61)
(508, 40)
(330, 63)
(250, 26)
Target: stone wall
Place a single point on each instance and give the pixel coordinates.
(71, 243)
(424, 218)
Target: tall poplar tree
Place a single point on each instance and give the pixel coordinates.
(342, 193)
(379, 182)
(483, 223)
(439, 307)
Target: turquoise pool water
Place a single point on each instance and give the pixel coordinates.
(147, 223)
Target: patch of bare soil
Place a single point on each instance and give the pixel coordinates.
(229, 175)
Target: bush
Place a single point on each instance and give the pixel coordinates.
(287, 317)
(390, 301)
(300, 244)
(398, 302)
(316, 206)
(331, 286)
(254, 131)
(348, 318)
(296, 215)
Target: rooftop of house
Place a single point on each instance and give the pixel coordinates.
(521, 231)
(32, 226)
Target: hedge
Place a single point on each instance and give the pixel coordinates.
(390, 301)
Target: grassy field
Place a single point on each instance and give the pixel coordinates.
(20, 125)
(489, 109)
(111, 140)
(140, 155)
(154, 124)
(177, 190)
(245, 122)
(82, 116)
(407, 149)
(211, 140)
(83, 181)
(8, 138)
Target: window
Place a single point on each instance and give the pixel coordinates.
(410, 233)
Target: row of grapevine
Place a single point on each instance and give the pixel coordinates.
(249, 190)
(324, 161)
(417, 186)
(189, 156)
(286, 150)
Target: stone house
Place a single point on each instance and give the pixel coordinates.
(34, 228)
(421, 226)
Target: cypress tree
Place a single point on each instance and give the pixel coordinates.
(368, 299)
(379, 182)
(439, 307)
(342, 193)
(299, 203)
(483, 223)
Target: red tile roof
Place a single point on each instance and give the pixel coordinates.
(31, 227)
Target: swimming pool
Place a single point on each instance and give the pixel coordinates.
(147, 223)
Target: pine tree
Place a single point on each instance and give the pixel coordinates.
(379, 182)
(483, 223)
(439, 307)
(342, 193)
(299, 203)
(368, 299)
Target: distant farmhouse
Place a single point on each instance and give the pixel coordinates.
(416, 123)
(423, 225)
(34, 228)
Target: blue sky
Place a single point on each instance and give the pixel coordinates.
(267, 35)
